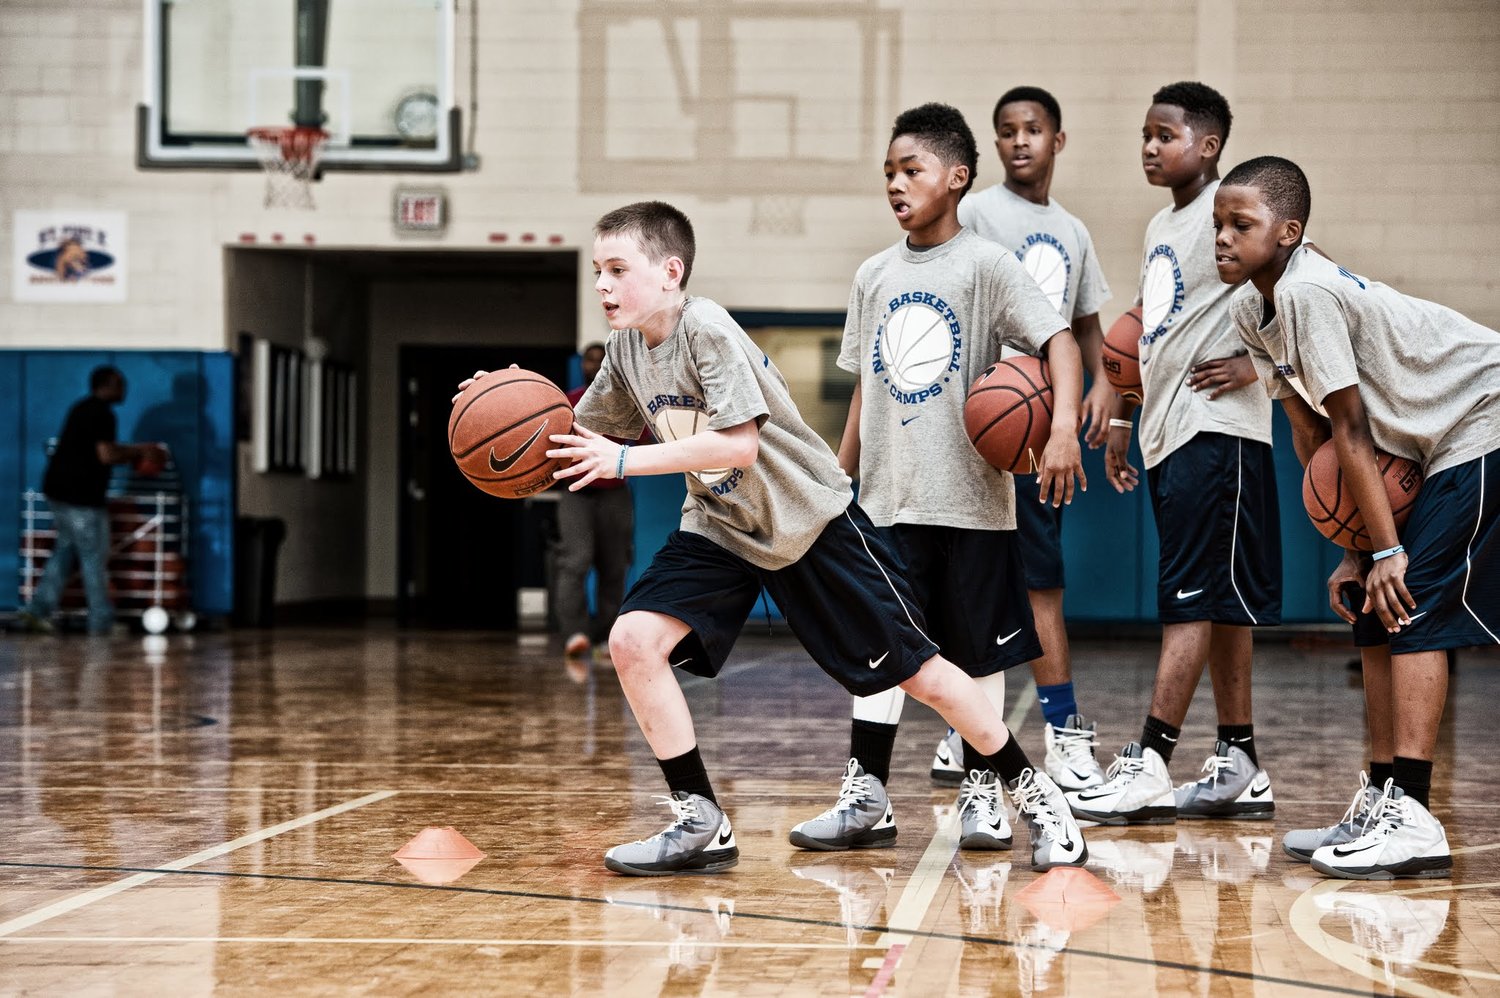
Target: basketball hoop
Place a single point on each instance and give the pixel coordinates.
(290, 155)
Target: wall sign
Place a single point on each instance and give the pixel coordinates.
(420, 210)
(69, 256)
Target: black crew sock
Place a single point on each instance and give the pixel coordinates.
(1008, 763)
(1159, 735)
(1380, 772)
(871, 744)
(1414, 776)
(1241, 736)
(972, 758)
(686, 773)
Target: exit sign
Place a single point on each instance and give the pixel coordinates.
(421, 211)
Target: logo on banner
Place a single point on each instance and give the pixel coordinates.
(64, 258)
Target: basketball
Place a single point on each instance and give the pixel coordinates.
(1008, 415)
(1122, 355)
(498, 433)
(1331, 507)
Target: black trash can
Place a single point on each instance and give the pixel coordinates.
(256, 541)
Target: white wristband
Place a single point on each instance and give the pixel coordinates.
(1121, 424)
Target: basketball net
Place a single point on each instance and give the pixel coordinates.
(289, 154)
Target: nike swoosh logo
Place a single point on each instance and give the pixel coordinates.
(1183, 595)
(905, 421)
(1416, 615)
(1090, 797)
(1043, 699)
(725, 836)
(875, 662)
(943, 756)
(498, 465)
(1342, 853)
(1260, 792)
(1001, 641)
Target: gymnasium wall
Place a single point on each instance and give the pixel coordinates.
(770, 134)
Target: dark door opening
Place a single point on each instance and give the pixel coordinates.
(461, 555)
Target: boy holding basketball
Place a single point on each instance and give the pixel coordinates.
(767, 506)
(1055, 248)
(1357, 361)
(926, 317)
(1213, 488)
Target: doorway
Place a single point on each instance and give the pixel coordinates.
(463, 555)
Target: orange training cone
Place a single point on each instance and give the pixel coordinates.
(1068, 898)
(438, 855)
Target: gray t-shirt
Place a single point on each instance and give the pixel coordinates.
(709, 375)
(1429, 378)
(922, 326)
(1053, 246)
(1185, 320)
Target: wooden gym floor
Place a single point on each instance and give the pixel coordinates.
(217, 813)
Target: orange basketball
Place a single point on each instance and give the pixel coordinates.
(1008, 415)
(1122, 355)
(498, 433)
(1331, 507)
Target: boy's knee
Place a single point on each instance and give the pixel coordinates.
(636, 639)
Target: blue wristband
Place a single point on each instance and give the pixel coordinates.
(1382, 555)
(620, 465)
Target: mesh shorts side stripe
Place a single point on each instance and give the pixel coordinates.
(1469, 553)
(894, 591)
(1234, 539)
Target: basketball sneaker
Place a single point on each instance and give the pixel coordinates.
(948, 760)
(862, 818)
(981, 816)
(1232, 787)
(1070, 754)
(1301, 843)
(1056, 839)
(699, 840)
(1404, 841)
(1136, 791)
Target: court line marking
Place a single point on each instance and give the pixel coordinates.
(922, 886)
(1014, 944)
(76, 901)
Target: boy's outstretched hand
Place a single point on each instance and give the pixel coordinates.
(593, 456)
(1062, 463)
(1223, 374)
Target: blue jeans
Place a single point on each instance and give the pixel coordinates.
(82, 533)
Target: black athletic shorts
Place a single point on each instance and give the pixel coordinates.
(1214, 499)
(1039, 526)
(846, 599)
(1452, 546)
(972, 590)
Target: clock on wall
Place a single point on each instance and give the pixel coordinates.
(417, 117)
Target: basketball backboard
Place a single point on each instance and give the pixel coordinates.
(376, 75)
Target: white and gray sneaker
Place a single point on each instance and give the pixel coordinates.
(1136, 791)
(1404, 841)
(1232, 787)
(981, 815)
(948, 760)
(1070, 754)
(1056, 839)
(699, 840)
(1301, 843)
(862, 818)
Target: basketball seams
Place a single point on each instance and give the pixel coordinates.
(553, 407)
(501, 381)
